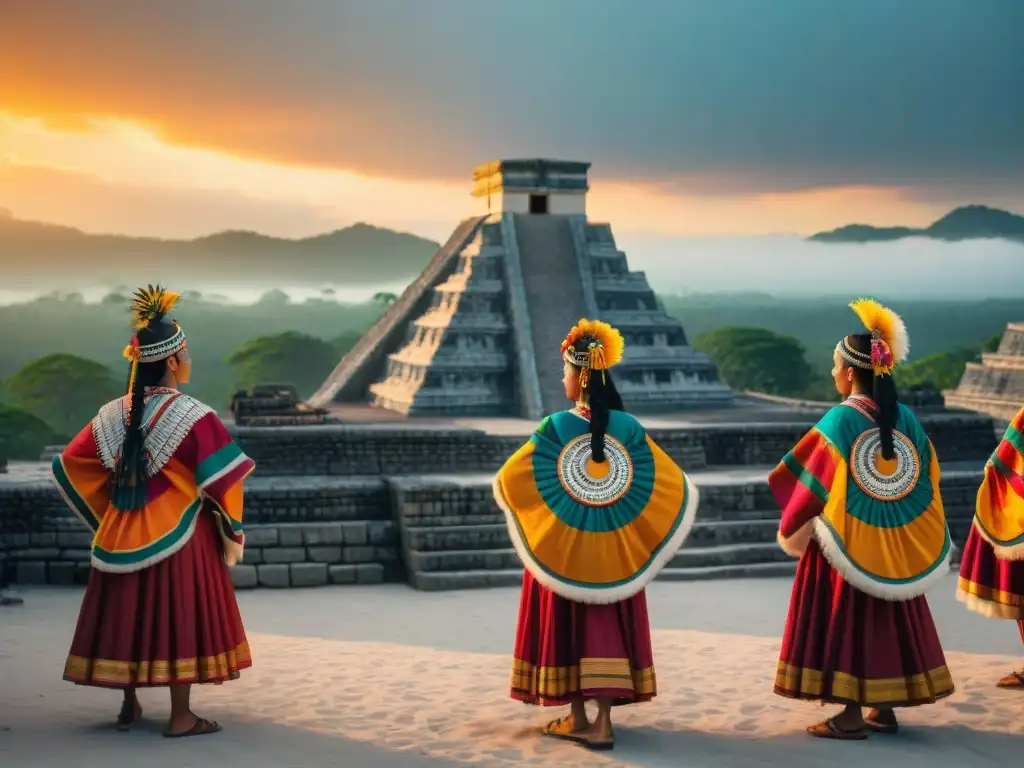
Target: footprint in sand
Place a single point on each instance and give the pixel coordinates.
(750, 724)
(751, 709)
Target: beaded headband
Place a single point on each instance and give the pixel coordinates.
(150, 305)
(161, 350)
(852, 356)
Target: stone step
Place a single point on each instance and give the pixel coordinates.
(743, 571)
(507, 559)
(456, 537)
(497, 517)
(439, 581)
(464, 560)
(728, 555)
(492, 536)
(745, 532)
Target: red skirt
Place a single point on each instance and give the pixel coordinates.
(173, 622)
(988, 585)
(843, 646)
(567, 650)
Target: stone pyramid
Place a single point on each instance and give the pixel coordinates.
(995, 385)
(478, 332)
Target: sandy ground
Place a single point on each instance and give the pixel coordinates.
(382, 676)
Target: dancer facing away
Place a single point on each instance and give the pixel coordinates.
(992, 567)
(159, 480)
(861, 508)
(595, 509)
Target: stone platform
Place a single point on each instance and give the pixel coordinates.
(363, 503)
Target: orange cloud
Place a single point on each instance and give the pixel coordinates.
(117, 176)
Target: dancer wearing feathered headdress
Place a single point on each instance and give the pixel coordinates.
(595, 509)
(861, 509)
(992, 565)
(158, 479)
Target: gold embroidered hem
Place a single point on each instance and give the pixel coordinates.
(843, 688)
(990, 601)
(593, 678)
(108, 673)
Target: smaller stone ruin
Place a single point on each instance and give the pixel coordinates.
(270, 405)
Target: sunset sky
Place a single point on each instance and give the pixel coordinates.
(701, 117)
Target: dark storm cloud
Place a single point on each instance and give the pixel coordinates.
(716, 96)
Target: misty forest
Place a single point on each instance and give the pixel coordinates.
(61, 356)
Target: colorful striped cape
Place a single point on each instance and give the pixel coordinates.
(999, 510)
(192, 464)
(594, 533)
(880, 523)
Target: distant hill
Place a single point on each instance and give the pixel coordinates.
(967, 223)
(33, 252)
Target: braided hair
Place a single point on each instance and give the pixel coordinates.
(883, 392)
(602, 398)
(153, 328)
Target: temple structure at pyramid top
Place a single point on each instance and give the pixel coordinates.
(996, 384)
(478, 332)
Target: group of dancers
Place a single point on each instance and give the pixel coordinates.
(594, 509)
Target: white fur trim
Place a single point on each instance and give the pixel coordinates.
(893, 592)
(596, 595)
(796, 544)
(987, 608)
(1003, 552)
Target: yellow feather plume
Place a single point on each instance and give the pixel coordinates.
(887, 324)
(607, 348)
(151, 304)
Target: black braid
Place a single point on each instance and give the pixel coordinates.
(883, 392)
(602, 398)
(130, 475)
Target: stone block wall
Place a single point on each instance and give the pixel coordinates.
(289, 452)
(329, 531)
(345, 450)
(339, 504)
(398, 450)
(313, 555)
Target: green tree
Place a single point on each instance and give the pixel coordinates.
(385, 298)
(62, 390)
(285, 358)
(945, 369)
(342, 343)
(757, 359)
(22, 436)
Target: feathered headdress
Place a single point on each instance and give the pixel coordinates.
(890, 342)
(151, 305)
(604, 347)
